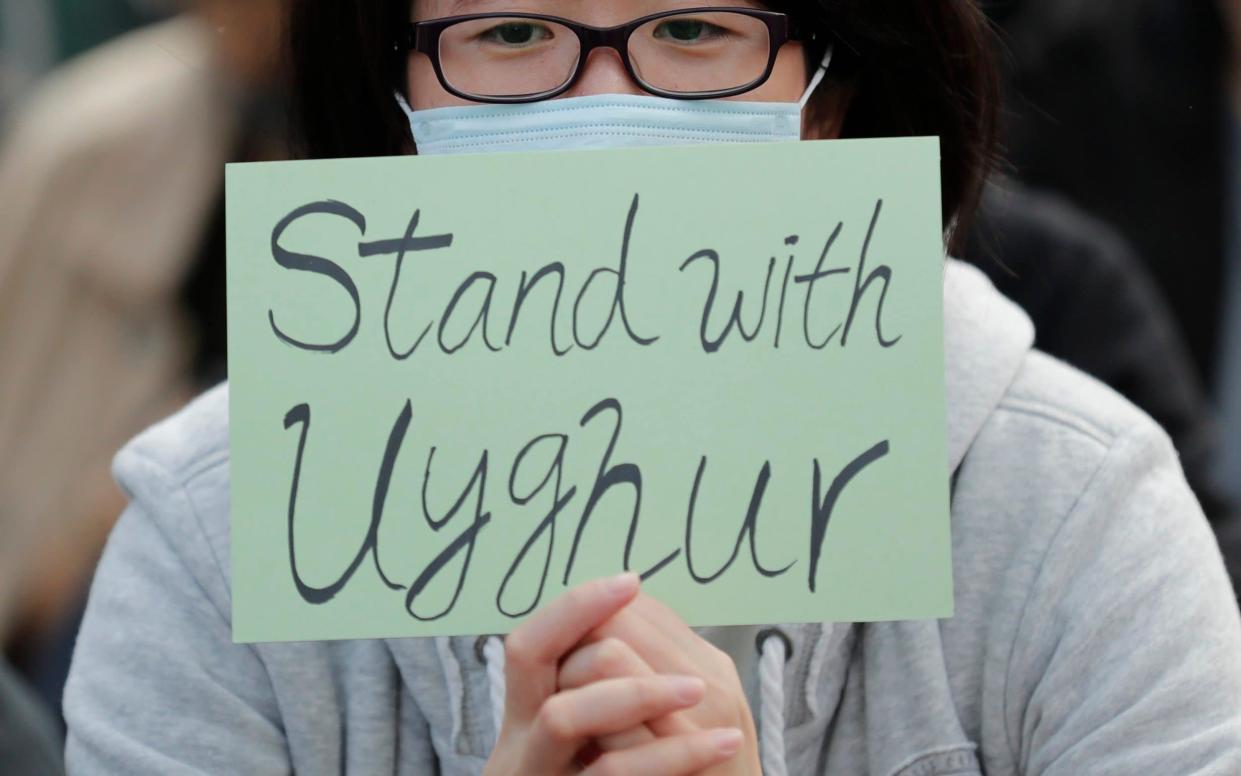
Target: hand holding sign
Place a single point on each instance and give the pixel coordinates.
(647, 638)
(546, 726)
(460, 387)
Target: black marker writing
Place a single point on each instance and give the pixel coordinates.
(821, 510)
(319, 266)
(300, 415)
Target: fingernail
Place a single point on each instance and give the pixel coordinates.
(623, 585)
(688, 689)
(727, 741)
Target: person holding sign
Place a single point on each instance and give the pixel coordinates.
(1071, 615)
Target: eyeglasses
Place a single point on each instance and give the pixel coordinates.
(688, 53)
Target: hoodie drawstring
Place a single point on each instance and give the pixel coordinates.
(454, 678)
(775, 649)
(491, 654)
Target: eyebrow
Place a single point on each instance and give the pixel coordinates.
(465, 7)
(462, 7)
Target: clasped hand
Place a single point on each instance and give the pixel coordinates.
(605, 680)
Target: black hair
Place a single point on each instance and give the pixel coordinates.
(913, 67)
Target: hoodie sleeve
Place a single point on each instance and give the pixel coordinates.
(157, 686)
(1128, 656)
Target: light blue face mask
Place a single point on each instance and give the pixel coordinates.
(606, 121)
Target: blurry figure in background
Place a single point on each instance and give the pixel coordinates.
(1230, 360)
(35, 35)
(84, 24)
(1120, 105)
(1124, 108)
(112, 284)
(1095, 306)
(27, 46)
(30, 745)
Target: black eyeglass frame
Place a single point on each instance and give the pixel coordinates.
(424, 37)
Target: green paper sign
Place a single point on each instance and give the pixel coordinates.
(460, 385)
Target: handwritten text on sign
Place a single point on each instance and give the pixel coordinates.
(461, 385)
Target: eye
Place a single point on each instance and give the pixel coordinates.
(689, 31)
(517, 34)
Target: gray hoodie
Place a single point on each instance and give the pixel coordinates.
(1095, 630)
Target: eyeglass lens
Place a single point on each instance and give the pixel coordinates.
(687, 53)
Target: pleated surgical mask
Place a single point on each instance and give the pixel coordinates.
(606, 121)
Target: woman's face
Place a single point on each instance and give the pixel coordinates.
(604, 72)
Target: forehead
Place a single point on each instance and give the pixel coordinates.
(586, 11)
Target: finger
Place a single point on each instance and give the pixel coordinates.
(658, 649)
(666, 621)
(662, 639)
(678, 756)
(534, 650)
(628, 739)
(614, 659)
(570, 718)
(610, 658)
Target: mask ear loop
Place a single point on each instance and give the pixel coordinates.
(819, 75)
(401, 101)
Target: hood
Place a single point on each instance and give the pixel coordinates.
(986, 341)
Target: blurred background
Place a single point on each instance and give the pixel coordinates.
(1114, 220)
